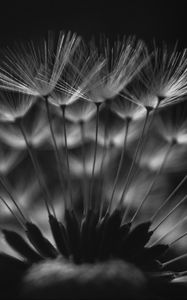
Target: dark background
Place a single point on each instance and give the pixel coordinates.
(160, 20)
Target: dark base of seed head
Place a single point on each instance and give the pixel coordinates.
(93, 258)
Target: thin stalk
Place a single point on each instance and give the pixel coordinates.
(169, 232)
(104, 155)
(84, 166)
(178, 238)
(63, 110)
(12, 198)
(102, 197)
(56, 151)
(182, 273)
(145, 137)
(170, 212)
(167, 263)
(154, 180)
(38, 173)
(128, 180)
(151, 119)
(127, 123)
(12, 212)
(168, 198)
(95, 154)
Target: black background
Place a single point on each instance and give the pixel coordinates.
(160, 20)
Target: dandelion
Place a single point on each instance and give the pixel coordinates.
(116, 215)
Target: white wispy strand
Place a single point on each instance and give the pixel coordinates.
(78, 76)
(170, 74)
(123, 61)
(35, 69)
(163, 80)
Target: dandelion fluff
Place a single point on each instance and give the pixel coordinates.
(36, 68)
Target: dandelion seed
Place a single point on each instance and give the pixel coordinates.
(123, 60)
(82, 69)
(163, 79)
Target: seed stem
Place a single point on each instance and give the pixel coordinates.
(166, 264)
(154, 180)
(56, 151)
(170, 212)
(3, 183)
(127, 123)
(130, 173)
(145, 138)
(63, 110)
(95, 155)
(170, 231)
(106, 146)
(12, 212)
(84, 166)
(168, 198)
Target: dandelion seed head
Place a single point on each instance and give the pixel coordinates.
(92, 178)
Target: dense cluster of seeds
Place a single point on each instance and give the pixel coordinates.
(93, 141)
